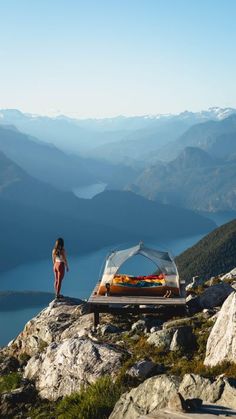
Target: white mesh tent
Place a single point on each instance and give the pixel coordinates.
(162, 260)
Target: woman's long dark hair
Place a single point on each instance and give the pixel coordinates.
(59, 246)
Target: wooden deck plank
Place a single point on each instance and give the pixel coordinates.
(126, 301)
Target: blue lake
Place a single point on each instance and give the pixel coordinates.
(88, 192)
(85, 271)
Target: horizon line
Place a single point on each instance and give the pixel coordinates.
(59, 114)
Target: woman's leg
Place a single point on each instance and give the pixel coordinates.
(60, 271)
(56, 277)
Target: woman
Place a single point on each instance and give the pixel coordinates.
(59, 263)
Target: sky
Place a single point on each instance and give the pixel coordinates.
(102, 58)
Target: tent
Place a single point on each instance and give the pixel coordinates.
(164, 262)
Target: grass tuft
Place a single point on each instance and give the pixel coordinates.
(10, 382)
(93, 402)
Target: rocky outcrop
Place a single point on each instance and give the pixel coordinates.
(60, 320)
(148, 397)
(64, 367)
(195, 386)
(215, 296)
(228, 396)
(158, 396)
(221, 344)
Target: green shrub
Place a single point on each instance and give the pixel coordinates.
(93, 402)
(46, 410)
(10, 382)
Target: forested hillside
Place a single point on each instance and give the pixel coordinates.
(214, 254)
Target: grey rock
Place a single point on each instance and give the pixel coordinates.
(147, 398)
(177, 403)
(215, 296)
(221, 344)
(185, 321)
(109, 328)
(228, 397)
(195, 386)
(142, 369)
(159, 395)
(53, 324)
(65, 366)
(183, 339)
(161, 339)
(139, 326)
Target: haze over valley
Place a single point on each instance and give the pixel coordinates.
(149, 193)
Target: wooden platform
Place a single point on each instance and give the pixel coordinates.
(132, 304)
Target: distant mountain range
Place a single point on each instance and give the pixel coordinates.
(120, 139)
(33, 214)
(218, 137)
(193, 180)
(203, 176)
(211, 256)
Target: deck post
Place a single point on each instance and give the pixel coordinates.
(96, 317)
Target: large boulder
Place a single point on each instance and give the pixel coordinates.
(215, 296)
(221, 344)
(60, 320)
(149, 397)
(169, 392)
(64, 367)
(228, 396)
(194, 386)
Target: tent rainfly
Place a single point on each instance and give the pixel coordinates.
(166, 268)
